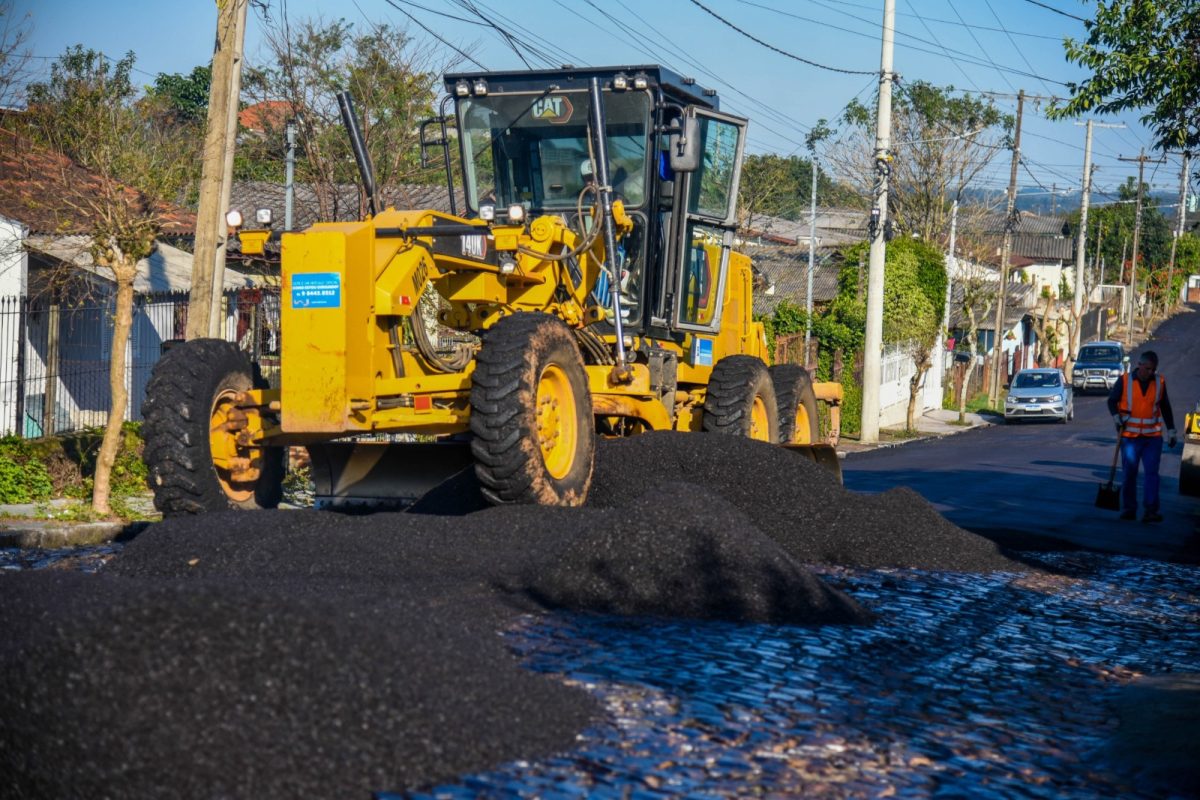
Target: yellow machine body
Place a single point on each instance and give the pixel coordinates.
(364, 302)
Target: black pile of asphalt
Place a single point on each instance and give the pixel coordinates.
(281, 654)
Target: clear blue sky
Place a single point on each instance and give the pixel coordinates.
(976, 45)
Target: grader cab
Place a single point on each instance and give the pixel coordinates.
(589, 288)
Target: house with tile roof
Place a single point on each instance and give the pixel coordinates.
(57, 304)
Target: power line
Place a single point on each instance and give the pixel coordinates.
(982, 49)
(1016, 47)
(756, 40)
(1056, 11)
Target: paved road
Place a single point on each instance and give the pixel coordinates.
(1040, 479)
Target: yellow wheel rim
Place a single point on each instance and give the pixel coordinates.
(760, 424)
(557, 425)
(801, 432)
(237, 466)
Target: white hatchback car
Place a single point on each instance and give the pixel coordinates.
(1042, 393)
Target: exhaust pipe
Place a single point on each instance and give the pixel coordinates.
(361, 157)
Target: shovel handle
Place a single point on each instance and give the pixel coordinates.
(1112, 473)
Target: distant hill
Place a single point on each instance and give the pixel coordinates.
(1040, 201)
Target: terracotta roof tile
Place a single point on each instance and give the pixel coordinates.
(49, 193)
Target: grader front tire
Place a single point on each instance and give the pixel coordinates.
(741, 400)
(798, 422)
(531, 414)
(195, 461)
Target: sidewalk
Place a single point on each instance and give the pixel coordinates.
(30, 525)
(933, 424)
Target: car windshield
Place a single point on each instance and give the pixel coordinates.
(1037, 380)
(1100, 354)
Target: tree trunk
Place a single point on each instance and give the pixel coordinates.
(923, 359)
(122, 324)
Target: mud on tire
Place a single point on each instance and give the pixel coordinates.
(181, 400)
(531, 414)
(741, 400)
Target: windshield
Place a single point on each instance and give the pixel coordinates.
(533, 148)
(1037, 380)
(1100, 354)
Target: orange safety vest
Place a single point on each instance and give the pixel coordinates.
(1145, 419)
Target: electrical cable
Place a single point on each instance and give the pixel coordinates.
(752, 38)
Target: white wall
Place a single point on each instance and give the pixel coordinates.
(897, 369)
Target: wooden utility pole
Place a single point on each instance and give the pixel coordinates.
(1005, 255)
(1183, 185)
(208, 261)
(1137, 233)
(873, 343)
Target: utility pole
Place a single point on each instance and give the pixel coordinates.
(289, 181)
(873, 345)
(1080, 258)
(208, 264)
(1183, 184)
(1137, 233)
(952, 264)
(998, 359)
(1054, 199)
(812, 249)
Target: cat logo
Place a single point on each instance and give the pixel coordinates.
(555, 110)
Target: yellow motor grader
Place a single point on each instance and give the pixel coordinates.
(589, 288)
(1189, 467)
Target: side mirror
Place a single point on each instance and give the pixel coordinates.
(684, 145)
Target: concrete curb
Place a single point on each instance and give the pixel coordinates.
(51, 534)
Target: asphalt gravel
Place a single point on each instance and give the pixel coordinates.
(281, 654)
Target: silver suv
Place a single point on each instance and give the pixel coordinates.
(1098, 366)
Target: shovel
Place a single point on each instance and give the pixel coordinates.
(1108, 496)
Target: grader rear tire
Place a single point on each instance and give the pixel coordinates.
(531, 414)
(189, 402)
(741, 400)
(798, 422)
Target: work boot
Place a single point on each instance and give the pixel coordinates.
(1152, 516)
(1129, 513)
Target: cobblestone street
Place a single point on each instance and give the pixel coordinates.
(970, 686)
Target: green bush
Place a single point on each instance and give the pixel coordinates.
(23, 478)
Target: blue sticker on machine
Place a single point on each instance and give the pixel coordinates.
(702, 352)
(316, 290)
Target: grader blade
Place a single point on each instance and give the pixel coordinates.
(381, 474)
(1189, 466)
(824, 455)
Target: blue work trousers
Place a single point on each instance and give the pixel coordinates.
(1148, 451)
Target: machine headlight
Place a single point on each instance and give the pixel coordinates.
(263, 217)
(516, 213)
(487, 212)
(462, 88)
(233, 218)
(480, 86)
(620, 82)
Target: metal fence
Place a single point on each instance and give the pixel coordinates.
(55, 356)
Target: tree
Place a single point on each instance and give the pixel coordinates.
(14, 56)
(914, 291)
(779, 186)
(184, 97)
(87, 112)
(393, 79)
(940, 143)
(1143, 54)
